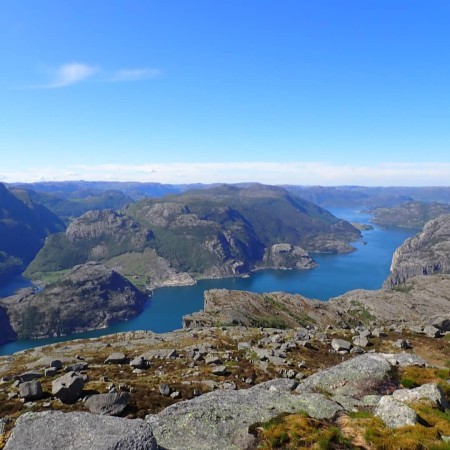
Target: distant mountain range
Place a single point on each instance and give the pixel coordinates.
(325, 196)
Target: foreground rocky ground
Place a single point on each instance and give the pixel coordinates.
(232, 387)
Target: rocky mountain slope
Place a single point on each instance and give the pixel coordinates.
(215, 232)
(24, 226)
(409, 215)
(424, 301)
(426, 253)
(89, 297)
(232, 387)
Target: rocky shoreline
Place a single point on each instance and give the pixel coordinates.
(198, 387)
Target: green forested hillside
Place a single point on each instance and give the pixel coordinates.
(220, 231)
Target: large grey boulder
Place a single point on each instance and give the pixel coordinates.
(395, 414)
(31, 390)
(221, 419)
(430, 391)
(355, 378)
(112, 404)
(53, 430)
(68, 388)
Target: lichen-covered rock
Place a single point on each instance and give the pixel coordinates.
(356, 377)
(395, 414)
(428, 392)
(221, 419)
(53, 430)
(112, 404)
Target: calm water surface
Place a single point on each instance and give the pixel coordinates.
(366, 268)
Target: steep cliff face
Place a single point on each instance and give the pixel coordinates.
(6, 332)
(426, 253)
(24, 226)
(90, 296)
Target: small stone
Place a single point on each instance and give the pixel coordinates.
(116, 358)
(31, 375)
(365, 333)
(57, 364)
(197, 392)
(50, 371)
(291, 374)
(173, 354)
(360, 341)
(77, 367)
(212, 359)
(403, 344)
(431, 331)
(175, 395)
(164, 389)
(220, 371)
(378, 332)
(340, 345)
(357, 351)
(243, 345)
(139, 363)
(305, 344)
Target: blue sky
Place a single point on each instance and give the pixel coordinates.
(286, 91)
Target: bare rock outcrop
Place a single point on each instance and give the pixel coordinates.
(90, 296)
(280, 256)
(424, 302)
(426, 253)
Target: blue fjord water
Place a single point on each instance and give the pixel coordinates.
(365, 268)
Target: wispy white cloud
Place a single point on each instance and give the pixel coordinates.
(77, 72)
(134, 74)
(300, 173)
(72, 73)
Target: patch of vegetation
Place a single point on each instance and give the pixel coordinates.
(408, 383)
(297, 431)
(403, 287)
(269, 322)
